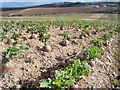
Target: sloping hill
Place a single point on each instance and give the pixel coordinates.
(44, 11)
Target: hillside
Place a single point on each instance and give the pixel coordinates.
(25, 5)
(46, 11)
(62, 8)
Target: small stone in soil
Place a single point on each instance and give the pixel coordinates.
(80, 56)
(5, 68)
(93, 88)
(92, 63)
(114, 73)
(92, 77)
(75, 86)
(108, 57)
(102, 48)
(64, 43)
(18, 86)
(74, 42)
(47, 48)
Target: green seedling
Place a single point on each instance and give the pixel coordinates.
(92, 52)
(65, 35)
(3, 35)
(45, 38)
(107, 36)
(97, 42)
(32, 30)
(42, 30)
(14, 50)
(7, 29)
(67, 76)
(85, 32)
(15, 35)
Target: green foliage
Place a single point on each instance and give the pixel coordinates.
(70, 74)
(117, 28)
(32, 29)
(42, 29)
(11, 51)
(24, 48)
(65, 35)
(14, 51)
(112, 32)
(85, 32)
(67, 76)
(7, 29)
(97, 42)
(98, 29)
(46, 83)
(92, 52)
(45, 37)
(43, 32)
(107, 36)
(3, 35)
(15, 35)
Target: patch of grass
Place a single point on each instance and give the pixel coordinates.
(72, 16)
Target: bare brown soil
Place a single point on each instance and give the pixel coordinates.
(44, 11)
(21, 72)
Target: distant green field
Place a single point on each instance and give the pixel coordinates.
(53, 17)
(112, 17)
(73, 16)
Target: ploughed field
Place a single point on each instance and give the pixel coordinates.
(59, 54)
(47, 11)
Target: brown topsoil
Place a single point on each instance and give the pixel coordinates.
(20, 72)
(45, 11)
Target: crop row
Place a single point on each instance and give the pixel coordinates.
(78, 66)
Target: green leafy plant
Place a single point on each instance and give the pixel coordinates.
(85, 32)
(31, 29)
(3, 35)
(67, 76)
(43, 33)
(42, 30)
(98, 30)
(14, 51)
(117, 28)
(97, 42)
(107, 36)
(15, 35)
(92, 52)
(11, 51)
(24, 48)
(65, 35)
(45, 37)
(7, 29)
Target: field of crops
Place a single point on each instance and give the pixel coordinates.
(59, 54)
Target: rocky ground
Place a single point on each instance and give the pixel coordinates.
(105, 72)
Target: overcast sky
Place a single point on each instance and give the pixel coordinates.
(50, 1)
